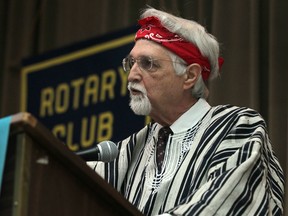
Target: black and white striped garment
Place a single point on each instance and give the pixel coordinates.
(218, 163)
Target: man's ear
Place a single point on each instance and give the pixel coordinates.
(193, 72)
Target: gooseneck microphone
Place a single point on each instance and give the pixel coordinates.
(105, 151)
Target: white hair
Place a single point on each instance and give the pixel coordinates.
(192, 32)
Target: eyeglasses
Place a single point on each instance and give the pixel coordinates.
(146, 63)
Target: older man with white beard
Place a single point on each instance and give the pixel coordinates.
(213, 160)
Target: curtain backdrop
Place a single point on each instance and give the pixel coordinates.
(253, 36)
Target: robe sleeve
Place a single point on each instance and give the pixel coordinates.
(115, 172)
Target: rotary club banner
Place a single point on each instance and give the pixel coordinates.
(80, 92)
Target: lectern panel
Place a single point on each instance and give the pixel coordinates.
(43, 177)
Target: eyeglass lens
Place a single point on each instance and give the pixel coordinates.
(144, 62)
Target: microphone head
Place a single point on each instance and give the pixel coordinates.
(108, 151)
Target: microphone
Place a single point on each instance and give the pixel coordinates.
(105, 151)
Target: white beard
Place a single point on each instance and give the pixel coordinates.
(140, 104)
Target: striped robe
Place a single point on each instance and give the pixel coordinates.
(219, 161)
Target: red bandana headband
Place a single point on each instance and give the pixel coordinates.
(152, 29)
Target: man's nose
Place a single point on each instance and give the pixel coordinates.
(134, 73)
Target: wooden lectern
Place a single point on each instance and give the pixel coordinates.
(42, 177)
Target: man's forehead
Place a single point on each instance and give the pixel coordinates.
(147, 47)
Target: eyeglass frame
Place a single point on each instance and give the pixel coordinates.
(140, 65)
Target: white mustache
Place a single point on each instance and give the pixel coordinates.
(137, 87)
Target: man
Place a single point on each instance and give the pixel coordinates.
(217, 160)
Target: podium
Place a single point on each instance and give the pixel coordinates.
(42, 177)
